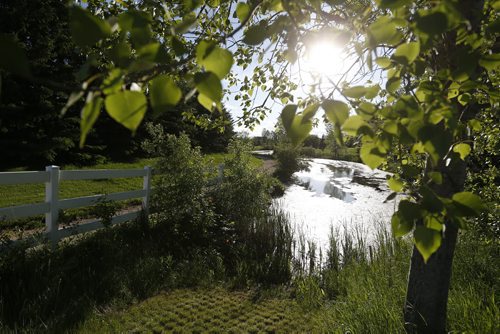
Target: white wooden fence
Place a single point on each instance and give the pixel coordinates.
(52, 176)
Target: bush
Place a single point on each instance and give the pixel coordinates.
(180, 199)
(257, 245)
(288, 162)
(243, 193)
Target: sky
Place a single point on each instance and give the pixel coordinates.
(323, 61)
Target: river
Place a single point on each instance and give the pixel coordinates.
(346, 195)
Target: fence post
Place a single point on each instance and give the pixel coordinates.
(146, 185)
(52, 197)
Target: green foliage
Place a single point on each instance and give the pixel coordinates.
(214, 58)
(180, 198)
(440, 66)
(309, 294)
(427, 241)
(86, 28)
(90, 113)
(14, 57)
(105, 210)
(164, 93)
(243, 193)
(288, 160)
(336, 111)
(242, 11)
(127, 108)
(296, 125)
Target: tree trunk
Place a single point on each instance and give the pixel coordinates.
(428, 284)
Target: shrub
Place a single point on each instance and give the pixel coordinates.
(243, 193)
(258, 237)
(180, 198)
(288, 162)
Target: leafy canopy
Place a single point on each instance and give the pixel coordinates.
(420, 117)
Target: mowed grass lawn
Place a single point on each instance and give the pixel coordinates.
(206, 311)
(34, 193)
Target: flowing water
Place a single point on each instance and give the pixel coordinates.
(343, 194)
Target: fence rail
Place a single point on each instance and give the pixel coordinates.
(52, 176)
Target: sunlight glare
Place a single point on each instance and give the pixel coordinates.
(323, 58)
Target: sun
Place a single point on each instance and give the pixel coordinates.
(323, 58)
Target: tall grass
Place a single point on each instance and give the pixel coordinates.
(361, 286)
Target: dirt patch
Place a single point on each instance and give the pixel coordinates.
(268, 166)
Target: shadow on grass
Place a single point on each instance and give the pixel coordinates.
(52, 290)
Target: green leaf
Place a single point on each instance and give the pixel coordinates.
(288, 114)
(436, 177)
(242, 11)
(391, 127)
(214, 58)
(127, 108)
(86, 28)
(383, 30)
(430, 201)
(366, 110)
(395, 184)
(383, 62)
(154, 52)
(393, 84)
(434, 222)
(336, 111)
(390, 197)
(427, 241)
(468, 203)
(134, 19)
(72, 99)
(436, 141)
(434, 23)
(120, 54)
(297, 126)
(490, 62)
(309, 112)
(400, 226)
(164, 93)
(409, 210)
(208, 84)
(407, 53)
(206, 102)
(138, 24)
(89, 115)
(392, 4)
(370, 155)
(464, 99)
(187, 22)
(256, 34)
(12, 57)
(353, 124)
(372, 91)
(463, 149)
(355, 92)
(475, 124)
(113, 82)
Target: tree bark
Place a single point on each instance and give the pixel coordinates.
(428, 284)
